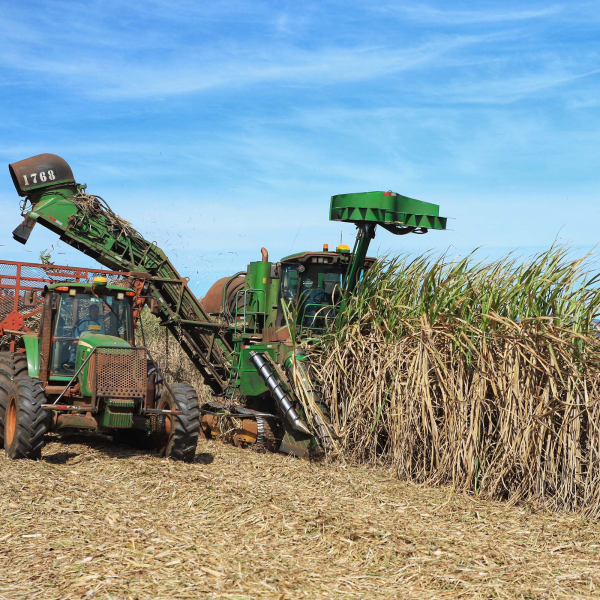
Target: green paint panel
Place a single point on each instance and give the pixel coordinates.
(115, 420)
(56, 208)
(249, 381)
(385, 207)
(32, 351)
(273, 300)
(257, 287)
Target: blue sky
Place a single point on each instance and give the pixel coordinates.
(218, 127)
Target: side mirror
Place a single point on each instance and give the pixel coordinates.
(29, 299)
(153, 305)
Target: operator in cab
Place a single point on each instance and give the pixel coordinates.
(91, 322)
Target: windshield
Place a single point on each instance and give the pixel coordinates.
(81, 315)
(312, 289)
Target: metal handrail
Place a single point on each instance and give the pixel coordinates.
(246, 312)
(315, 316)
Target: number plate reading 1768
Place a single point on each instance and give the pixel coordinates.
(42, 176)
(40, 171)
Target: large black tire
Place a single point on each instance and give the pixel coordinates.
(16, 360)
(12, 365)
(26, 422)
(154, 373)
(176, 435)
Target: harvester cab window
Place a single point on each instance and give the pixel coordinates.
(289, 283)
(320, 293)
(315, 288)
(81, 315)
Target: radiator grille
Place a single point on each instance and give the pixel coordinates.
(120, 372)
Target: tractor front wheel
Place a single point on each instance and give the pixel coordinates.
(177, 434)
(26, 422)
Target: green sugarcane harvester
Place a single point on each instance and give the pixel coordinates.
(244, 337)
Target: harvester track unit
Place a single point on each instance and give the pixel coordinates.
(245, 336)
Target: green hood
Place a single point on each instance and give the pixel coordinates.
(90, 339)
(87, 342)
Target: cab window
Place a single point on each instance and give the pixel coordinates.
(81, 315)
(315, 288)
(289, 282)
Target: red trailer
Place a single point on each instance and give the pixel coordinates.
(20, 286)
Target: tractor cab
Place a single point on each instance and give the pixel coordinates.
(85, 316)
(307, 285)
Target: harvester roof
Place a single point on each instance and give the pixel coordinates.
(332, 257)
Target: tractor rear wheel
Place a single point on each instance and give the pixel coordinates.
(12, 365)
(26, 422)
(177, 434)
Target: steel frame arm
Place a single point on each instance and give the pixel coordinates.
(366, 232)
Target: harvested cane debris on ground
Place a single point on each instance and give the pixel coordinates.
(95, 520)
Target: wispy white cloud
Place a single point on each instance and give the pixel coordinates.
(230, 66)
(248, 116)
(429, 14)
(511, 87)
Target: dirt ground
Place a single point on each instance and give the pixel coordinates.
(97, 520)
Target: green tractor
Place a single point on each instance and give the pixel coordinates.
(82, 370)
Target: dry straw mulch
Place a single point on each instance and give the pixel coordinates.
(95, 520)
(96, 208)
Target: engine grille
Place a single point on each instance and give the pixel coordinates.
(120, 372)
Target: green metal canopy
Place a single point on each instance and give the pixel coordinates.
(385, 208)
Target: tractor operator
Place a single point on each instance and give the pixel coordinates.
(92, 322)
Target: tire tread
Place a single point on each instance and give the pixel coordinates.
(186, 425)
(12, 365)
(32, 419)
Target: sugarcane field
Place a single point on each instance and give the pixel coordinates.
(299, 301)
